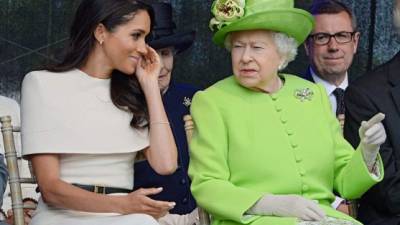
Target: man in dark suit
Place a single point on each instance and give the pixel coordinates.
(330, 49)
(379, 91)
(177, 100)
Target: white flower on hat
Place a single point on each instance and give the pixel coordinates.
(225, 12)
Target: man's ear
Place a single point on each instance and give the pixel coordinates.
(356, 40)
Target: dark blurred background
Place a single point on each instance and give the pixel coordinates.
(33, 33)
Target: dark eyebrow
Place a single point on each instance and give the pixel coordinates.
(343, 31)
(140, 31)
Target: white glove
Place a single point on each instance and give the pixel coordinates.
(372, 135)
(175, 219)
(288, 206)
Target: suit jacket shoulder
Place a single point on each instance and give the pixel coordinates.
(379, 77)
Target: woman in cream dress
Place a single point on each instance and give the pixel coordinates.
(84, 119)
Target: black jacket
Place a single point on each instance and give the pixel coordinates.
(378, 91)
(176, 187)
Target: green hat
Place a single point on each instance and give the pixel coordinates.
(274, 15)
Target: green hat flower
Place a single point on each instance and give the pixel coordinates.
(225, 12)
(275, 15)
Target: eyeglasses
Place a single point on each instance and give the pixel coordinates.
(340, 37)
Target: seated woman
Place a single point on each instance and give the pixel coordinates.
(84, 119)
(266, 149)
(176, 98)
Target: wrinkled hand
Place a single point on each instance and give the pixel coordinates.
(372, 135)
(175, 219)
(344, 208)
(148, 67)
(288, 206)
(139, 202)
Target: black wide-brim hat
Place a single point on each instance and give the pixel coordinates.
(180, 41)
(163, 35)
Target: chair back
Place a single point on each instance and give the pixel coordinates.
(15, 181)
(204, 217)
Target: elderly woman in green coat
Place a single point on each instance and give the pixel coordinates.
(266, 149)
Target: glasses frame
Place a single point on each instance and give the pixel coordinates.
(312, 37)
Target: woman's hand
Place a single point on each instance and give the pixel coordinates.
(288, 206)
(139, 202)
(372, 135)
(176, 219)
(148, 68)
(58, 193)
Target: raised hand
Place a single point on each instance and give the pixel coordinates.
(148, 68)
(372, 135)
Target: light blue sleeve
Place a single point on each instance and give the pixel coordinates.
(3, 177)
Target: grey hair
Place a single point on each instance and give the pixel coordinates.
(286, 46)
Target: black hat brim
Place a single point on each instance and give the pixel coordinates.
(180, 41)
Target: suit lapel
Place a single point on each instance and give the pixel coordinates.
(307, 75)
(394, 79)
(396, 97)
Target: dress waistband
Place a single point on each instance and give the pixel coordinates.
(102, 189)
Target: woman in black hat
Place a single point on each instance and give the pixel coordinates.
(176, 99)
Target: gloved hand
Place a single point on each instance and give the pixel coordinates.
(288, 206)
(175, 219)
(372, 135)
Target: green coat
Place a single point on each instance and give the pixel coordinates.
(248, 143)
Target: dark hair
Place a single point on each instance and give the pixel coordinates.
(332, 7)
(126, 92)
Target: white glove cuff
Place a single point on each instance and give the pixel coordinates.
(370, 155)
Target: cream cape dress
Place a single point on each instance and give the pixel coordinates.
(71, 114)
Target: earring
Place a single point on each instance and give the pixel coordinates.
(101, 42)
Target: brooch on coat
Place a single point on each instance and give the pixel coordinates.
(304, 94)
(187, 101)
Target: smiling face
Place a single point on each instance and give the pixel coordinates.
(255, 59)
(125, 45)
(167, 64)
(332, 59)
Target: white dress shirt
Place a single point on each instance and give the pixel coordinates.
(330, 88)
